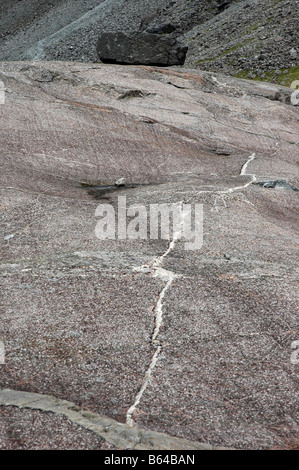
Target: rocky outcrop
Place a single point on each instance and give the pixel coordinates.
(244, 38)
(137, 336)
(117, 435)
(140, 48)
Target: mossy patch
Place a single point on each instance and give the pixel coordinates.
(227, 52)
(285, 78)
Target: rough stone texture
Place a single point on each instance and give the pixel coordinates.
(36, 430)
(252, 38)
(78, 313)
(111, 432)
(67, 29)
(137, 48)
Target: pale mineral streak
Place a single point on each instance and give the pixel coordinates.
(149, 335)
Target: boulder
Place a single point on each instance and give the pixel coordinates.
(140, 48)
(163, 28)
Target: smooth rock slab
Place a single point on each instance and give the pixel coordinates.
(35, 430)
(111, 432)
(77, 315)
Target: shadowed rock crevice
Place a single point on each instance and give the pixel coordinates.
(277, 184)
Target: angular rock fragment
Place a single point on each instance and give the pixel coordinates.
(271, 184)
(140, 48)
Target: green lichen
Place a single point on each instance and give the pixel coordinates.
(226, 52)
(285, 78)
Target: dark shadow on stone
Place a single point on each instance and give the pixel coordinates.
(140, 48)
(223, 5)
(164, 28)
(102, 191)
(280, 184)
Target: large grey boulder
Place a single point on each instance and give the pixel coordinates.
(140, 48)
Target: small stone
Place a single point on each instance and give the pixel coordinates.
(293, 54)
(8, 237)
(120, 182)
